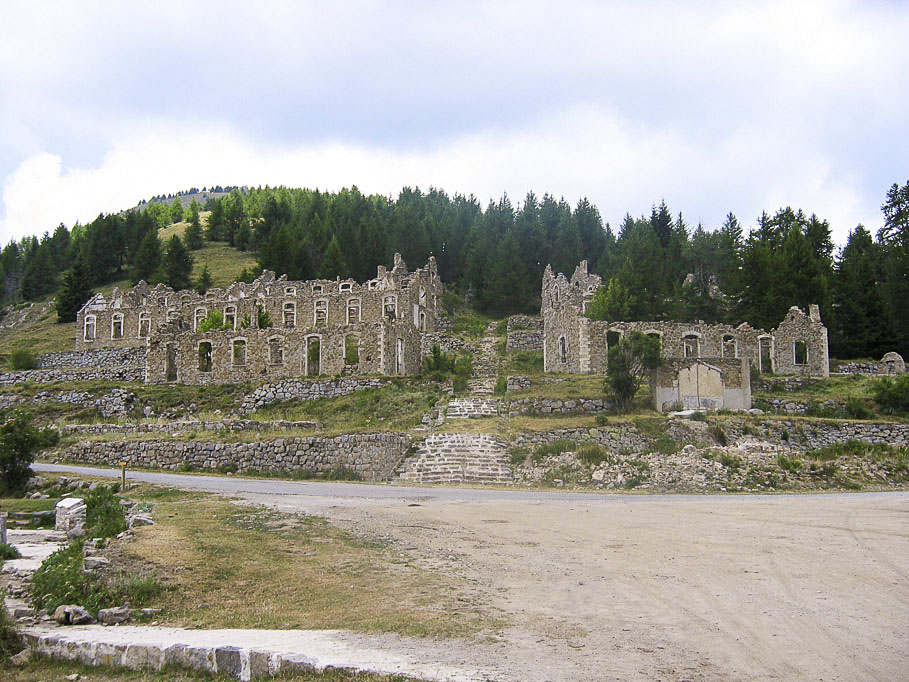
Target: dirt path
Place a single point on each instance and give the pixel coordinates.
(668, 588)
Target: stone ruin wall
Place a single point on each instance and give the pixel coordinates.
(373, 455)
(574, 344)
(701, 383)
(386, 348)
(102, 357)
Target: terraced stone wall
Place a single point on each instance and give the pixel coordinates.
(372, 455)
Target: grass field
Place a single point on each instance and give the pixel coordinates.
(244, 567)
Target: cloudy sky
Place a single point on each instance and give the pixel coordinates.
(712, 106)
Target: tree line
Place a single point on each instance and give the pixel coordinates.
(653, 267)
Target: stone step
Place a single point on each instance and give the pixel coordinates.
(463, 408)
(458, 458)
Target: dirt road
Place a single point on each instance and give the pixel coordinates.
(677, 588)
(634, 587)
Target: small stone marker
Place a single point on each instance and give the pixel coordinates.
(70, 516)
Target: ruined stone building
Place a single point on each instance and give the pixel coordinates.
(575, 344)
(307, 327)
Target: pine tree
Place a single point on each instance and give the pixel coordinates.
(148, 258)
(74, 292)
(333, 262)
(176, 211)
(176, 265)
(40, 275)
(193, 235)
(204, 283)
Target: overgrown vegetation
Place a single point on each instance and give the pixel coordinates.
(630, 361)
(556, 447)
(892, 395)
(19, 441)
(20, 360)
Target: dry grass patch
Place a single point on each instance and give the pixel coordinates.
(244, 567)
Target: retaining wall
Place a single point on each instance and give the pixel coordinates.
(101, 358)
(301, 389)
(373, 455)
(47, 376)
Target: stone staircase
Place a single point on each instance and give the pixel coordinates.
(458, 458)
(463, 408)
(485, 364)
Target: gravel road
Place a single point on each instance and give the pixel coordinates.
(641, 587)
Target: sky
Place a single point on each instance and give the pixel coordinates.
(714, 107)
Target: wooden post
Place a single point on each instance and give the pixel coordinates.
(122, 476)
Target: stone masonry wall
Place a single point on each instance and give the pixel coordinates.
(535, 406)
(46, 376)
(301, 389)
(525, 340)
(101, 358)
(373, 455)
(516, 322)
(220, 425)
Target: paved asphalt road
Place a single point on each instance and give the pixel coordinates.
(238, 485)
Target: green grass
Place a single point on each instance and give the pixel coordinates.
(395, 407)
(525, 362)
(19, 504)
(574, 387)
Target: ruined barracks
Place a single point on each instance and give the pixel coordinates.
(272, 328)
(575, 344)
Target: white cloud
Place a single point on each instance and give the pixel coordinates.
(579, 151)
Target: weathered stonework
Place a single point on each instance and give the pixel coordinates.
(306, 389)
(373, 455)
(49, 376)
(92, 359)
(701, 383)
(544, 406)
(182, 427)
(318, 327)
(525, 340)
(574, 344)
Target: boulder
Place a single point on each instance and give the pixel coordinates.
(22, 658)
(114, 616)
(137, 520)
(72, 614)
(93, 563)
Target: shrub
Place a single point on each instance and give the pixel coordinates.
(557, 447)
(518, 455)
(593, 454)
(20, 360)
(501, 385)
(7, 551)
(856, 409)
(104, 516)
(214, 322)
(343, 473)
(10, 643)
(629, 363)
(698, 416)
(602, 419)
(730, 461)
(790, 464)
(19, 441)
(892, 395)
(719, 435)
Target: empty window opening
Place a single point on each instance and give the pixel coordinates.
(317, 289)
(422, 296)
(144, 325)
(205, 356)
(290, 291)
(353, 311)
(399, 357)
(198, 318)
(290, 315)
(320, 314)
(239, 351)
(88, 328)
(230, 317)
(116, 326)
(170, 362)
(612, 339)
(658, 337)
(729, 350)
(275, 352)
(313, 356)
(422, 322)
(390, 307)
(690, 346)
(351, 350)
(173, 315)
(765, 353)
(345, 286)
(563, 350)
(800, 353)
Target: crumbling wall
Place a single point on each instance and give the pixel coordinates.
(574, 344)
(701, 383)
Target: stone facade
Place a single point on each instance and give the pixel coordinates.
(102, 357)
(318, 327)
(701, 383)
(372, 455)
(48, 376)
(525, 340)
(574, 344)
